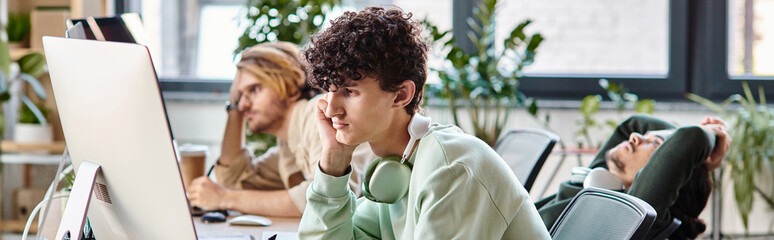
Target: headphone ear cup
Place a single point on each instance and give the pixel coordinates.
(602, 178)
(386, 180)
(364, 186)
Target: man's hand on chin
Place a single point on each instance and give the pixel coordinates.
(336, 156)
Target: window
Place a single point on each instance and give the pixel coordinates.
(641, 44)
(751, 38)
(738, 51)
(593, 36)
(193, 41)
(218, 34)
(658, 49)
(197, 43)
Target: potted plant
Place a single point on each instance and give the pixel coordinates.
(27, 69)
(32, 126)
(486, 81)
(750, 159)
(18, 30)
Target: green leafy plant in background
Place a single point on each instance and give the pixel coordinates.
(280, 20)
(751, 156)
(283, 20)
(18, 27)
(31, 67)
(27, 115)
(485, 82)
(621, 98)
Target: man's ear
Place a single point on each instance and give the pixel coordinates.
(295, 97)
(405, 94)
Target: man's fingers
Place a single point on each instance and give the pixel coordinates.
(200, 179)
(322, 104)
(720, 131)
(712, 120)
(707, 120)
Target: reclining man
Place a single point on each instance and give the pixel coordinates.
(433, 181)
(666, 167)
(272, 95)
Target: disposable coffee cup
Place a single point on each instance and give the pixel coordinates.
(192, 162)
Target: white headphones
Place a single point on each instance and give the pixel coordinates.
(387, 179)
(597, 177)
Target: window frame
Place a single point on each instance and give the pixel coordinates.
(698, 59)
(709, 71)
(673, 85)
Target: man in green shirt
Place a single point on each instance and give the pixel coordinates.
(665, 166)
(448, 185)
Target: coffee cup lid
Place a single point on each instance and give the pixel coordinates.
(192, 149)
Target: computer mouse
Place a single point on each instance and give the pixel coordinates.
(213, 217)
(197, 211)
(250, 220)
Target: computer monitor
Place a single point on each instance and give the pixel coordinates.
(126, 28)
(113, 115)
(77, 31)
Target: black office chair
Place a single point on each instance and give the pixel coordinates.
(664, 234)
(525, 151)
(597, 213)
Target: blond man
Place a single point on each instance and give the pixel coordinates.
(269, 95)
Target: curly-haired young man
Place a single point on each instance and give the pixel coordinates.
(373, 65)
(273, 97)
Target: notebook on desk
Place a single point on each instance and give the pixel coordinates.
(271, 235)
(230, 237)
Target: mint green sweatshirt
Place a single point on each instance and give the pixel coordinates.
(459, 189)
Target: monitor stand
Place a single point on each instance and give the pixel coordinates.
(74, 215)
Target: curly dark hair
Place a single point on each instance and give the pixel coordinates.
(383, 44)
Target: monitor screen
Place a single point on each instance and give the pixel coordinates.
(124, 28)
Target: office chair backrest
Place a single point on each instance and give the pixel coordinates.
(597, 213)
(664, 234)
(525, 151)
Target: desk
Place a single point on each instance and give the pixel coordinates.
(223, 229)
(202, 229)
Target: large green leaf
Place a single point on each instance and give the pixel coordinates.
(647, 106)
(35, 84)
(590, 104)
(33, 64)
(39, 115)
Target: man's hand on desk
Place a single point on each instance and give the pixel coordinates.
(206, 194)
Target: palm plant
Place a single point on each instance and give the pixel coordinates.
(487, 81)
